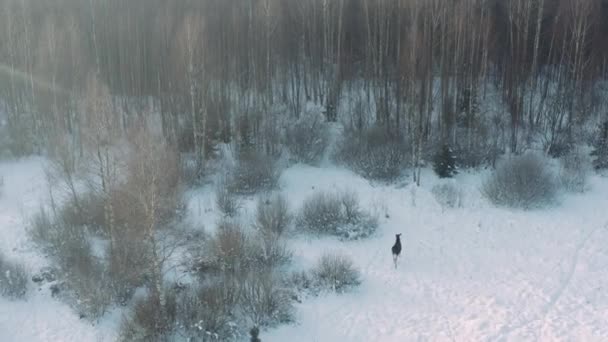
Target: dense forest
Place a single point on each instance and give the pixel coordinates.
(460, 72)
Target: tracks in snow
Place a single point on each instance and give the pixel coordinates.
(556, 296)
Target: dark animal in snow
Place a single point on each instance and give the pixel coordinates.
(396, 249)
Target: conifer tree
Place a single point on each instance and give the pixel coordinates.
(445, 162)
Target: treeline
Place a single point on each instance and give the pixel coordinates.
(458, 71)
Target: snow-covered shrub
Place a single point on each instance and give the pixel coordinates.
(561, 144)
(335, 272)
(207, 313)
(67, 244)
(336, 214)
(147, 322)
(43, 231)
(127, 258)
(89, 288)
(308, 138)
(233, 251)
(373, 153)
(301, 281)
(357, 223)
(272, 215)
(321, 213)
(524, 182)
(84, 276)
(264, 301)
(225, 199)
(198, 313)
(269, 250)
(85, 211)
(188, 170)
(448, 195)
(574, 170)
(13, 279)
(230, 251)
(254, 172)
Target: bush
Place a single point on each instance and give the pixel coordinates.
(67, 244)
(447, 195)
(127, 265)
(373, 154)
(272, 215)
(226, 200)
(229, 250)
(336, 272)
(524, 182)
(88, 212)
(321, 213)
(207, 313)
(202, 313)
(444, 163)
(44, 231)
(89, 289)
(301, 281)
(189, 172)
(574, 170)
(265, 302)
(336, 214)
(561, 144)
(269, 250)
(147, 321)
(13, 279)
(308, 138)
(254, 172)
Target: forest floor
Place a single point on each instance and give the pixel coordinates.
(471, 273)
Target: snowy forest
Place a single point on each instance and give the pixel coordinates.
(237, 170)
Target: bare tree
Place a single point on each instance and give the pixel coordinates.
(192, 73)
(154, 190)
(101, 139)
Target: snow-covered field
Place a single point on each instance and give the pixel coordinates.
(475, 273)
(40, 317)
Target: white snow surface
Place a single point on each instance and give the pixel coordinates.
(40, 317)
(475, 273)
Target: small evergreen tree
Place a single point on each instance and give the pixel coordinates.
(254, 333)
(600, 151)
(445, 162)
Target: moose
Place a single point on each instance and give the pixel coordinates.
(396, 249)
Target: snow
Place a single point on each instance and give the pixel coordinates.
(476, 273)
(40, 317)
